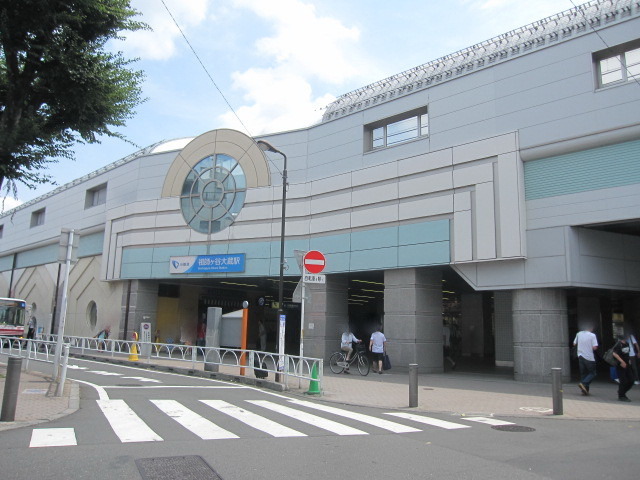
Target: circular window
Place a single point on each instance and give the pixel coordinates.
(92, 314)
(213, 193)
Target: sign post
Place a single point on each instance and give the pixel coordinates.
(313, 262)
(145, 338)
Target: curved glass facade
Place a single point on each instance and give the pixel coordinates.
(213, 193)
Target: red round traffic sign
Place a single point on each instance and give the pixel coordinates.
(314, 261)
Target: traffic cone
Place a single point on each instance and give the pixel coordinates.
(133, 354)
(314, 385)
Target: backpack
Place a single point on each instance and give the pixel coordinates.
(609, 358)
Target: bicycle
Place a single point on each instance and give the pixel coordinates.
(338, 361)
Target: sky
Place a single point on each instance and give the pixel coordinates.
(278, 63)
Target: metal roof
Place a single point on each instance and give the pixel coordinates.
(546, 32)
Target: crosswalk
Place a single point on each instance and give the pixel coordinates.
(279, 419)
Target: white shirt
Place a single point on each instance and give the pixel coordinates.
(347, 338)
(585, 341)
(377, 342)
(631, 340)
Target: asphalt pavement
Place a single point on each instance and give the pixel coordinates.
(456, 392)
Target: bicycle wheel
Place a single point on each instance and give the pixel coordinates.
(363, 365)
(334, 362)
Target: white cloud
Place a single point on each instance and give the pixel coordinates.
(278, 100)
(160, 43)
(304, 50)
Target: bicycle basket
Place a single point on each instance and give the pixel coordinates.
(360, 347)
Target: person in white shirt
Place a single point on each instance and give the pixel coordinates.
(634, 353)
(377, 345)
(346, 344)
(587, 344)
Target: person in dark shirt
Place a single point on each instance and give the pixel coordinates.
(625, 373)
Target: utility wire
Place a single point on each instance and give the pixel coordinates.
(213, 81)
(205, 68)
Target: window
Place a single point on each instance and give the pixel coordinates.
(618, 65)
(213, 193)
(397, 129)
(92, 314)
(96, 196)
(37, 218)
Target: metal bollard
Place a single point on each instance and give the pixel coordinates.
(556, 385)
(11, 387)
(413, 385)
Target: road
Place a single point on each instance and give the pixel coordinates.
(135, 423)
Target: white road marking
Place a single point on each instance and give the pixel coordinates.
(76, 367)
(53, 437)
(193, 422)
(330, 425)
(256, 421)
(144, 379)
(487, 421)
(102, 393)
(106, 374)
(376, 422)
(125, 423)
(231, 387)
(434, 422)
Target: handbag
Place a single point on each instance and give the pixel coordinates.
(574, 348)
(609, 358)
(574, 352)
(386, 363)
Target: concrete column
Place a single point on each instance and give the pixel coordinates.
(540, 334)
(413, 318)
(503, 316)
(143, 302)
(472, 324)
(326, 316)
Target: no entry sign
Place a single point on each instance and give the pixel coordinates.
(314, 261)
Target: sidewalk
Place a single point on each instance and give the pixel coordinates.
(467, 394)
(37, 402)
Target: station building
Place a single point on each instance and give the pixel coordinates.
(495, 190)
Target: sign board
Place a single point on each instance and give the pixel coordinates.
(145, 338)
(145, 332)
(311, 278)
(314, 261)
(207, 263)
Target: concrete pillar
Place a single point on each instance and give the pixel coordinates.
(472, 324)
(540, 334)
(143, 304)
(326, 316)
(503, 316)
(413, 318)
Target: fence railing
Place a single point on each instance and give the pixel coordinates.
(38, 350)
(210, 358)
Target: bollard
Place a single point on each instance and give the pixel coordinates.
(11, 387)
(413, 385)
(556, 385)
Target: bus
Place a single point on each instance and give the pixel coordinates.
(13, 313)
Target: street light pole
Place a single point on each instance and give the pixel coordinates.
(267, 147)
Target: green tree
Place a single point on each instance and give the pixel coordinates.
(59, 85)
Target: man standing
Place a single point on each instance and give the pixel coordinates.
(587, 344)
(346, 345)
(625, 374)
(634, 352)
(378, 347)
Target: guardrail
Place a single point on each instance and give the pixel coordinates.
(37, 350)
(291, 366)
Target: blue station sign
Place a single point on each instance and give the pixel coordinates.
(232, 262)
